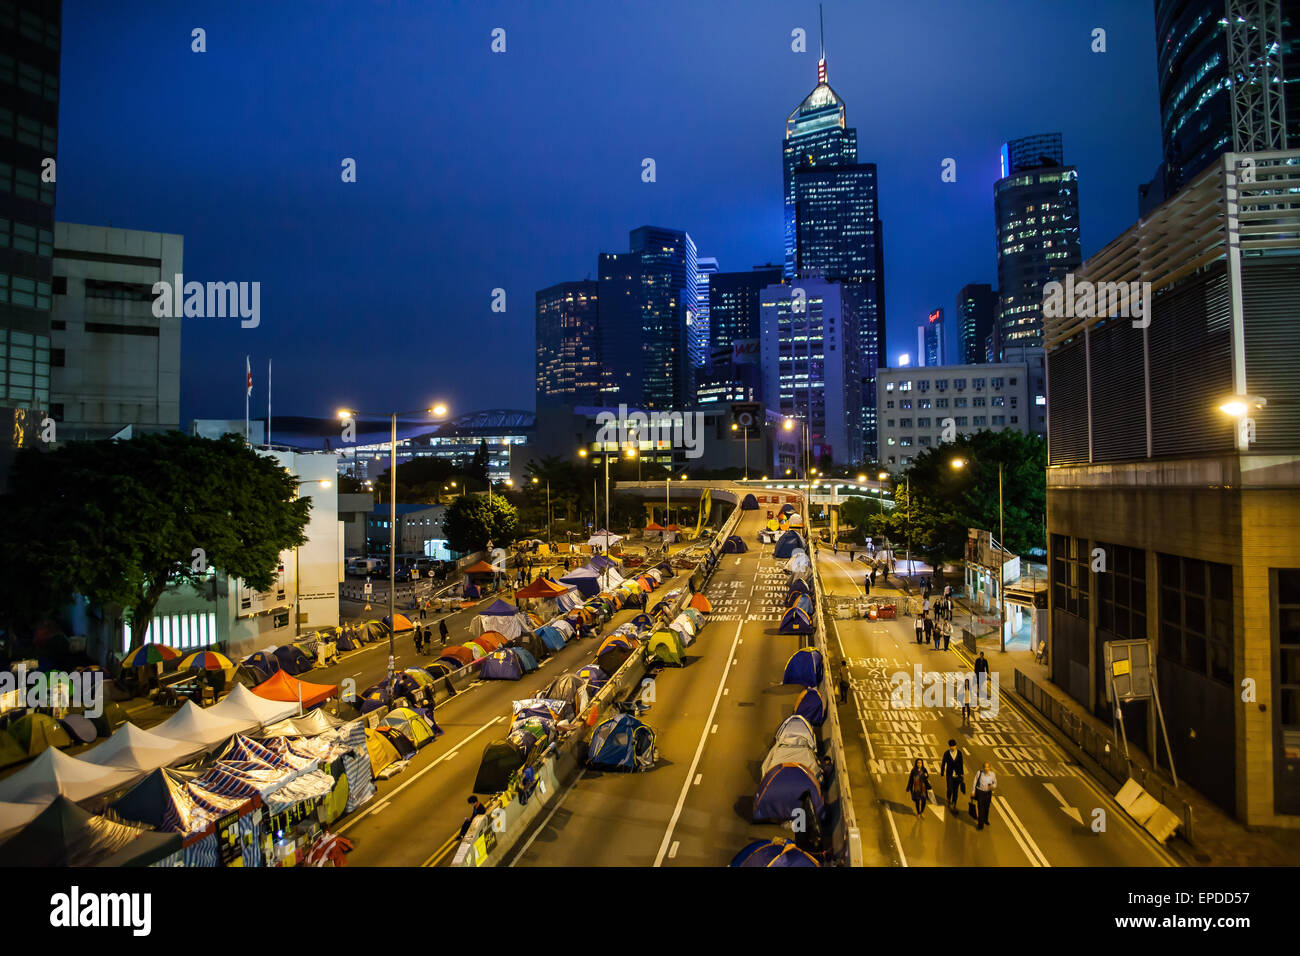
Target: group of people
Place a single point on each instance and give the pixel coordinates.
(933, 629)
(424, 637)
(954, 774)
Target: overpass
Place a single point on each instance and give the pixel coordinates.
(823, 492)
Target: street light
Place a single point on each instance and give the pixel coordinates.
(548, 511)
(735, 428)
(959, 463)
(439, 410)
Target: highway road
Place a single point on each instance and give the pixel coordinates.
(714, 719)
(1047, 808)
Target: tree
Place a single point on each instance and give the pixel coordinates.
(471, 523)
(120, 521)
(351, 485)
(860, 514)
(419, 481)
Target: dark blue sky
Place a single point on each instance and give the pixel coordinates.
(479, 170)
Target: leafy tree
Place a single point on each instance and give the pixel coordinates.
(859, 514)
(421, 481)
(121, 521)
(351, 485)
(471, 523)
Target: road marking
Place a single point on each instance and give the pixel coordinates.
(672, 854)
(1020, 832)
(1072, 812)
(542, 826)
(695, 761)
(714, 730)
(382, 807)
(451, 843)
(938, 810)
(450, 755)
(698, 778)
(726, 691)
(898, 843)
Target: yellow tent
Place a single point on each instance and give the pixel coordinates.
(411, 725)
(382, 753)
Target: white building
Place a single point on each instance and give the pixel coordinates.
(923, 407)
(810, 364)
(113, 363)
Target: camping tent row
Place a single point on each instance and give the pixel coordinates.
(536, 723)
(791, 774)
(799, 617)
(787, 544)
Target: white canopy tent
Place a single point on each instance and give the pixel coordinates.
(193, 724)
(54, 773)
(131, 748)
(242, 704)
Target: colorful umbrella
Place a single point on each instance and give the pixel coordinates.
(206, 661)
(148, 654)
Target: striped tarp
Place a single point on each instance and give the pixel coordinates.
(361, 784)
(202, 853)
(250, 837)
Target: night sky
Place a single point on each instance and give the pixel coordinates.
(479, 170)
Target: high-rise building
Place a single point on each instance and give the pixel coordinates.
(933, 342)
(697, 324)
(734, 299)
(1036, 207)
(977, 308)
(1192, 61)
(619, 294)
(832, 224)
(30, 43)
(114, 364)
(810, 364)
(568, 344)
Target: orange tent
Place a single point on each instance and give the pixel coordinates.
(701, 603)
(489, 641)
(459, 653)
(281, 686)
(481, 568)
(653, 526)
(542, 588)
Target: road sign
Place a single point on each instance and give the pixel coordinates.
(369, 589)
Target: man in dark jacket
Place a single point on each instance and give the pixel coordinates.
(952, 771)
(442, 631)
(981, 675)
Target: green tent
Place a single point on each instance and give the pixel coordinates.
(36, 733)
(666, 648)
(66, 835)
(11, 751)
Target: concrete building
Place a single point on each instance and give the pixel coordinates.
(923, 407)
(1174, 456)
(354, 515)
(113, 363)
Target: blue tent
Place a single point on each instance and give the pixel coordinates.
(734, 545)
(586, 580)
(600, 562)
(593, 675)
(787, 544)
(804, 667)
(501, 665)
(799, 584)
(643, 620)
(292, 659)
(552, 638)
(780, 791)
(526, 659)
(500, 608)
(749, 503)
(621, 743)
(775, 852)
(798, 618)
(264, 661)
(786, 509)
(811, 707)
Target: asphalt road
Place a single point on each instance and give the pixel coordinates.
(1047, 810)
(714, 719)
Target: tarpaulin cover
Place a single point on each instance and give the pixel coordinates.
(556, 710)
(131, 748)
(66, 835)
(780, 790)
(162, 800)
(804, 667)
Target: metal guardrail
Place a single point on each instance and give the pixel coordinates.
(1102, 749)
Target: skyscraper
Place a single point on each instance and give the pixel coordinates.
(697, 331)
(734, 299)
(29, 94)
(568, 344)
(1036, 207)
(832, 224)
(934, 343)
(977, 307)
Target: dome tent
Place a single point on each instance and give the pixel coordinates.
(749, 503)
(621, 743)
(804, 667)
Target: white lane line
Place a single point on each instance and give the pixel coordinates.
(1019, 831)
(1072, 812)
(383, 806)
(698, 778)
(695, 761)
(714, 730)
(672, 854)
(898, 843)
(542, 826)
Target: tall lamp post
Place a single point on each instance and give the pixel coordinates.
(1002, 560)
(737, 428)
(348, 414)
(548, 509)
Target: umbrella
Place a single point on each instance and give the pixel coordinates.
(147, 654)
(206, 661)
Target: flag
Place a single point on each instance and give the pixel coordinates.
(248, 368)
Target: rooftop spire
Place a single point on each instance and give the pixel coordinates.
(821, 62)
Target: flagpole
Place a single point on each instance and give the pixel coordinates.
(248, 391)
(268, 403)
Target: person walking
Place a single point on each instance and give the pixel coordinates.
(925, 603)
(986, 782)
(844, 683)
(850, 555)
(929, 626)
(953, 773)
(442, 631)
(866, 584)
(918, 785)
(963, 700)
(873, 575)
(421, 610)
(982, 675)
(920, 628)
(947, 633)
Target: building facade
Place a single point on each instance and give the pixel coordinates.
(932, 343)
(924, 407)
(1174, 457)
(977, 307)
(568, 343)
(1036, 208)
(734, 373)
(114, 364)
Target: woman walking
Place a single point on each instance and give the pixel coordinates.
(918, 785)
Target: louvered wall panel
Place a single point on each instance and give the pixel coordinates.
(1119, 422)
(1271, 296)
(1067, 389)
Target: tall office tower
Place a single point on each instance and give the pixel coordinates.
(810, 364)
(568, 344)
(697, 324)
(114, 364)
(619, 294)
(1192, 60)
(29, 119)
(832, 224)
(734, 299)
(977, 306)
(935, 344)
(1036, 206)
(667, 299)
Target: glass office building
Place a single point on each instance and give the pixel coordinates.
(977, 307)
(568, 344)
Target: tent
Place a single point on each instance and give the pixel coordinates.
(602, 536)
(749, 503)
(441, 668)
(66, 835)
(403, 744)
(292, 659)
(621, 743)
(381, 750)
(131, 748)
(54, 774)
(570, 688)
(35, 733)
(793, 749)
(11, 751)
(735, 544)
(586, 580)
(798, 619)
(804, 667)
(612, 659)
(502, 665)
(403, 623)
(480, 567)
(794, 520)
(797, 726)
(565, 629)
(488, 642)
(111, 717)
(501, 759)
(696, 617)
(551, 637)
(701, 604)
(281, 686)
(541, 588)
(15, 816)
(811, 707)
(411, 725)
(797, 584)
(193, 724)
(242, 702)
(787, 544)
(536, 648)
(593, 675)
(526, 658)
(786, 509)
(556, 710)
(459, 653)
(310, 724)
(666, 648)
(776, 852)
(501, 618)
(642, 621)
(780, 791)
(250, 676)
(569, 599)
(686, 624)
(616, 640)
(799, 563)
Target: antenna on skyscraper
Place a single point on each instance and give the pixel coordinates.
(821, 62)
